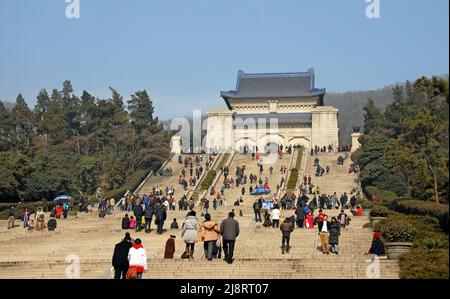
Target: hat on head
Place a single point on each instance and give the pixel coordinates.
(376, 235)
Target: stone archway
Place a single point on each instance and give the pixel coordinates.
(241, 142)
(273, 141)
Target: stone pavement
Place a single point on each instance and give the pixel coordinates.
(26, 254)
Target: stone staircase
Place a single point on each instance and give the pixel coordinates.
(171, 181)
(31, 254)
(338, 180)
(231, 195)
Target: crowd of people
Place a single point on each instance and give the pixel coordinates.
(35, 220)
(130, 259)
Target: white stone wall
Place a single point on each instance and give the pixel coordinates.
(220, 133)
(355, 142)
(264, 106)
(175, 144)
(324, 126)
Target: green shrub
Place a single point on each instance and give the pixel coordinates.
(424, 208)
(424, 264)
(433, 244)
(367, 204)
(131, 184)
(298, 162)
(208, 180)
(379, 211)
(223, 161)
(293, 178)
(383, 196)
(397, 231)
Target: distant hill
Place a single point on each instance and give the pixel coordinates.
(8, 105)
(351, 103)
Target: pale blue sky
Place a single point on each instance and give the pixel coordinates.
(185, 51)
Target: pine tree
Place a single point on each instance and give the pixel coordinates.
(71, 107)
(5, 128)
(120, 115)
(141, 112)
(395, 112)
(41, 108)
(55, 122)
(22, 122)
(88, 112)
(373, 118)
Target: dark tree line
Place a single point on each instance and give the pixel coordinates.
(71, 144)
(405, 149)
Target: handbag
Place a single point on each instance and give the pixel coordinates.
(132, 273)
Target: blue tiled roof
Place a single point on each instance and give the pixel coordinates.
(273, 85)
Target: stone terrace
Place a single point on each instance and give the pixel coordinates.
(27, 254)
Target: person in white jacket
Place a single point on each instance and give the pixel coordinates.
(137, 258)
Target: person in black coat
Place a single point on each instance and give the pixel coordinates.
(300, 213)
(335, 232)
(138, 213)
(377, 247)
(161, 216)
(120, 258)
(51, 224)
(174, 224)
(148, 215)
(125, 222)
(302, 200)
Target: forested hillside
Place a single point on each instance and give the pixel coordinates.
(74, 144)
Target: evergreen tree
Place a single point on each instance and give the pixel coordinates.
(41, 107)
(71, 107)
(22, 122)
(141, 112)
(395, 112)
(120, 115)
(88, 112)
(5, 128)
(54, 122)
(373, 118)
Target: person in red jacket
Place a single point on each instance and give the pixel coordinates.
(359, 211)
(59, 211)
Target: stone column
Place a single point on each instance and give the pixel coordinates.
(355, 142)
(324, 128)
(175, 142)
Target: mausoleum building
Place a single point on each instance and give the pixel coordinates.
(276, 108)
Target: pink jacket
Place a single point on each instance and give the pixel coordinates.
(133, 223)
(310, 220)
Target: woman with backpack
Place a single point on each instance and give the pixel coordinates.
(335, 232)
